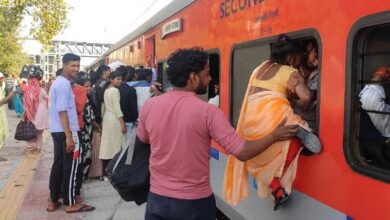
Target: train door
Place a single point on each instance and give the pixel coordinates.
(150, 51)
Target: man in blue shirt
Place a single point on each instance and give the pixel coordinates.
(64, 127)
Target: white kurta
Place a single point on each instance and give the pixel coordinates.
(3, 121)
(112, 137)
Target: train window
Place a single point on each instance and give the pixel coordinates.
(213, 94)
(214, 63)
(246, 58)
(367, 145)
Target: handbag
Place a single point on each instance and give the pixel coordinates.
(25, 131)
(129, 172)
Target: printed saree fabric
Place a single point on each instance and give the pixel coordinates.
(260, 114)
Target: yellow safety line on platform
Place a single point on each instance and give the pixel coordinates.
(14, 191)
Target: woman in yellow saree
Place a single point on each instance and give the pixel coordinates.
(265, 105)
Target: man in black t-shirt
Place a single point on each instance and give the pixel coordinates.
(128, 101)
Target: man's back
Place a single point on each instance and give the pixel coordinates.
(179, 127)
(128, 103)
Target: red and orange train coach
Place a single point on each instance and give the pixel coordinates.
(350, 178)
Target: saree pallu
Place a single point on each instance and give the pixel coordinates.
(260, 114)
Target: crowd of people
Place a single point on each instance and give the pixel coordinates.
(92, 115)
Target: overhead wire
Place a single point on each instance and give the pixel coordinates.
(143, 13)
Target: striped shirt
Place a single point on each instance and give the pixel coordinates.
(373, 98)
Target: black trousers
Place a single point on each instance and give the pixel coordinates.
(165, 208)
(80, 170)
(64, 170)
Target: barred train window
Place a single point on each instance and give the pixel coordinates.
(368, 145)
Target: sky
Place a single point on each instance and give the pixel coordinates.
(102, 21)
(99, 21)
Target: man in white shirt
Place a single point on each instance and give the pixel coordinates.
(373, 98)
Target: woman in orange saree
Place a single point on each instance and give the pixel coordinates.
(265, 105)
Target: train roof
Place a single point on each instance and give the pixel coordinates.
(171, 9)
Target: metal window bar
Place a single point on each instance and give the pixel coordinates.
(374, 82)
(375, 112)
(375, 53)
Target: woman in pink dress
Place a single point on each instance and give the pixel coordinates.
(36, 109)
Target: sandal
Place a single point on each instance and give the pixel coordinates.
(83, 208)
(279, 200)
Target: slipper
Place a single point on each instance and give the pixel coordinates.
(83, 208)
(56, 205)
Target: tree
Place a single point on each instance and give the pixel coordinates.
(48, 16)
(48, 19)
(12, 57)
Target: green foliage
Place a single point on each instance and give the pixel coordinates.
(48, 19)
(12, 57)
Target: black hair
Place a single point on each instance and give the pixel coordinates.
(284, 47)
(143, 74)
(183, 62)
(59, 72)
(102, 68)
(70, 57)
(82, 81)
(94, 77)
(115, 74)
(124, 70)
(130, 74)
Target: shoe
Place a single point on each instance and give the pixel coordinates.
(309, 140)
(105, 179)
(53, 206)
(281, 199)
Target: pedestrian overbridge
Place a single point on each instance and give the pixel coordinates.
(83, 49)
